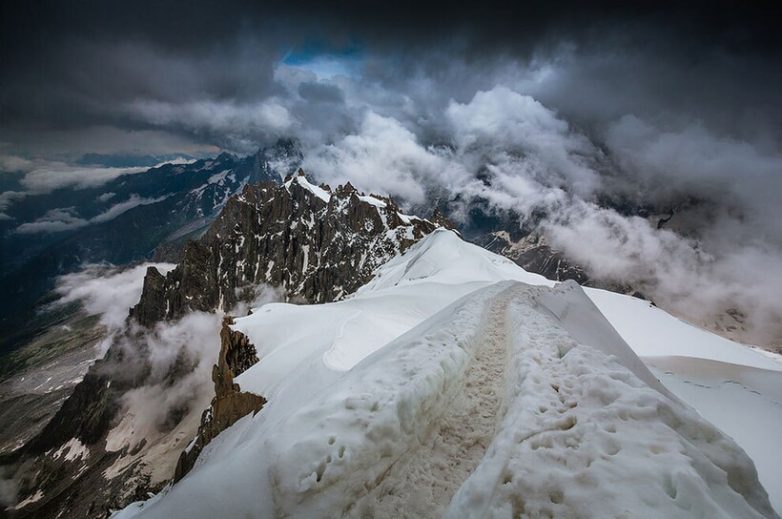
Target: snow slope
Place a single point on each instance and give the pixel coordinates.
(734, 386)
(652, 332)
(744, 402)
(452, 385)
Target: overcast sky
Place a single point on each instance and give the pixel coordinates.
(148, 77)
(558, 104)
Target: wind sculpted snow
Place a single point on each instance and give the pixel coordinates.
(481, 395)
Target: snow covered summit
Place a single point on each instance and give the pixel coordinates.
(456, 384)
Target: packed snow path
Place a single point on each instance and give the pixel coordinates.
(589, 431)
(423, 482)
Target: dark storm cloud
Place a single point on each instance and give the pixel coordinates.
(320, 93)
(561, 103)
(212, 73)
(70, 64)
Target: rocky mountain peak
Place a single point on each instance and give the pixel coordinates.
(224, 157)
(345, 190)
(230, 403)
(316, 244)
(440, 219)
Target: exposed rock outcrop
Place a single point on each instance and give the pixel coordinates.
(229, 403)
(532, 253)
(440, 219)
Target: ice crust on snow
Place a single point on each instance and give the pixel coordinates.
(445, 259)
(455, 383)
(372, 200)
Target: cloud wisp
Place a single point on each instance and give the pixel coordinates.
(67, 218)
(173, 360)
(106, 291)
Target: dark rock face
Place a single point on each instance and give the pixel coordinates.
(278, 161)
(551, 263)
(533, 255)
(74, 484)
(148, 310)
(438, 218)
(229, 403)
(316, 245)
(93, 402)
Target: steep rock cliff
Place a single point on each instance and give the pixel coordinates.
(229, 403)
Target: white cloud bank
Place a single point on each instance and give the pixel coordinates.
(43, 177)
(383, 157)
(511, 151)
(67, 219)
(55, 220)
(106, 291)
(187, 347)
(57, 176)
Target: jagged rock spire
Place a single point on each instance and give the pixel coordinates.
(316, 244)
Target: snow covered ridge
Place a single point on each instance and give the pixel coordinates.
(456, 384)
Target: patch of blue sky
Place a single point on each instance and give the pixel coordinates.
(326, 62)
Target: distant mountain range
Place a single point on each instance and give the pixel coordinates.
(152, 215)
(128, 219)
